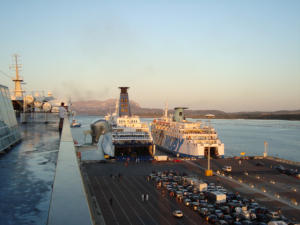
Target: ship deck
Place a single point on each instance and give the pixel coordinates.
(127, 207)
(26, 175)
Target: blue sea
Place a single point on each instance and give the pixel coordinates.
(241, 135)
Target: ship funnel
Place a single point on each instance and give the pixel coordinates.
(124, 106)
(179, 114)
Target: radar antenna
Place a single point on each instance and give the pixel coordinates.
(166, 110)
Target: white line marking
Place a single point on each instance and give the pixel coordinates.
(135, 212)
(142, 207)
(115, 218)
(120, 205)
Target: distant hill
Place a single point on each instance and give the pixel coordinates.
(101, 108)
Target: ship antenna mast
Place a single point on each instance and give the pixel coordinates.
(166, 110)
(18, 92)
(117, 106)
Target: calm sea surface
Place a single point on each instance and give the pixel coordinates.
(248, 136)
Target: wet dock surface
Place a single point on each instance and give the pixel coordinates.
(27, 174)
(128, 208)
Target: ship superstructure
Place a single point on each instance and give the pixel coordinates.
(127, 135)
(184, 138)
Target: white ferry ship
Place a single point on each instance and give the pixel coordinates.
(187, 139)
(127, 135)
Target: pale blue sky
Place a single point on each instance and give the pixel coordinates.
(227, 55)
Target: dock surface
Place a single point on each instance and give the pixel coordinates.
(120, 198)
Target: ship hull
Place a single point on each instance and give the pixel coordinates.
(130, 148)
(185, 148)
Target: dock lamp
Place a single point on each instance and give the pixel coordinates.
(209, 172)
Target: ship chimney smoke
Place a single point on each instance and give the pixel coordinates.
(124, 106)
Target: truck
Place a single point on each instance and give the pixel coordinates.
(201, 186)
(161, 157)
(279, 222)
(216, 197)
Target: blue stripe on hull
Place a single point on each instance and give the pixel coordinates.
(173, 145)
(180, 154)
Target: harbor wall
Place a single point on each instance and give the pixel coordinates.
(283, 160)
(69, 204)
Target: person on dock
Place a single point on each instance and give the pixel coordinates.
(143, 197)
(147, 197)
(62, 113)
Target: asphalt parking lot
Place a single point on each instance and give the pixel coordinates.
(127, 206)
(120, 199)
(261, 182)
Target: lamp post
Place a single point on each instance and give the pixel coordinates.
(266, 149)
(209, 172)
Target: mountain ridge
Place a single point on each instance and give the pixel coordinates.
(103, 107)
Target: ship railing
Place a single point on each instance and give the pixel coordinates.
(132, 138)
(130, 133)
(141, 158)
(39, 117)
(9, 136)
(206, 142)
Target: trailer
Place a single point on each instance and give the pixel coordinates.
(201, 186)
(161, 157)
(216, 197)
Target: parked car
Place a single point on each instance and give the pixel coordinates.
(260, 164)
(195, 205)
(212, 218)
(227, 168)
(280, 168)
(187, 202)
(221, 222)
(228, 219)
(273, 215)
(178, 213)
(204, 212)
(219, 213)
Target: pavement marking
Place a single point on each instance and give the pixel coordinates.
(173, 204)
(135, 212)
(154, 208)
(115, 218)
(92, 198)
(142, 207)
(119, 205)
(169, 201)
(249, 188)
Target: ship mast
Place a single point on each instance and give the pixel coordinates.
(166, 110)
(18, 92)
